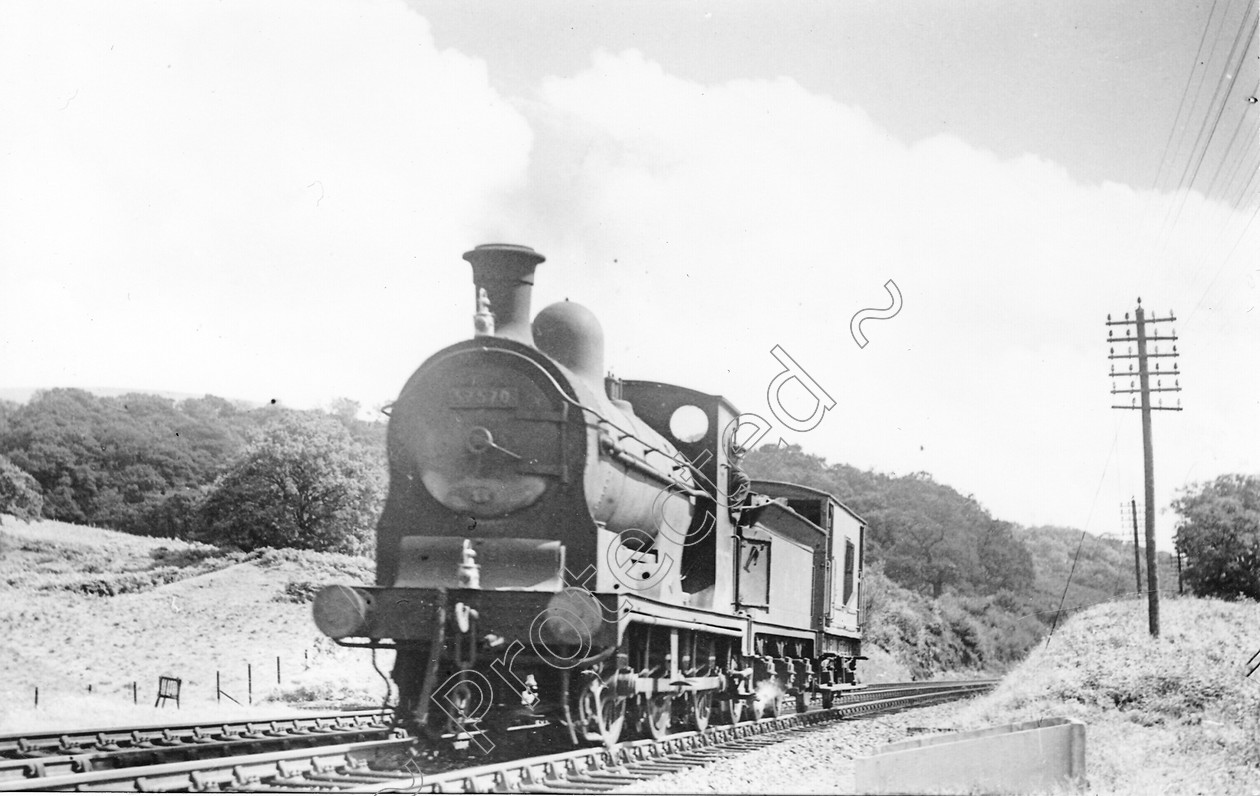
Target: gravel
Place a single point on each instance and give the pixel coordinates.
(820, 760)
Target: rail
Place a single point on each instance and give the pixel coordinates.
(385, 765)
(59, 752)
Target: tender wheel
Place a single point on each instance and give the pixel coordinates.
(828, 699)
(601, 713)
(658, 715)
(699, 708)
(800, 702)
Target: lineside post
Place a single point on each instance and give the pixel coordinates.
(1137, 549)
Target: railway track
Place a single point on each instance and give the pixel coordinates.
(388, 765)
(25, 756)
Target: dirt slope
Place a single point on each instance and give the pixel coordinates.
(86, 607)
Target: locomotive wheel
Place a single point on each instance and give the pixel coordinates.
(602, 714)
(699, 707)
(731, 711)
(658, 715)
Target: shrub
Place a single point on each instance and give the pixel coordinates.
(185, 557)
(20, 494)
(297, 591)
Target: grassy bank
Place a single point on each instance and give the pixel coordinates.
(1174, 714)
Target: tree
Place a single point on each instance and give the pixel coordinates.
(1219, 533)
(929, 537)
(303, 483)
(1005, 562)
(7, 408)
(115, 461)
(927, 548)
(19, 492)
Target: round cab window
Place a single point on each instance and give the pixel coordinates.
(688, 423)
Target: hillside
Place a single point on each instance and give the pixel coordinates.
(1104, 569)
(1174, 714)
(86, 607)
(949, 587)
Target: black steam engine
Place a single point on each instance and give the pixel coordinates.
(563, 549)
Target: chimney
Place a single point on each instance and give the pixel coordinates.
(506, 272)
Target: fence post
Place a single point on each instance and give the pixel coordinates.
(218, 692)
(135, 693)
(89, 688)
(277, 670)
(249, 674)
(36, 696)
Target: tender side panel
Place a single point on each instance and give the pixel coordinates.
(846, 562)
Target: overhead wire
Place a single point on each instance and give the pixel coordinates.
(1224, 262)
(1224, 87)
(1229, 148)
(1185, 92)
(1228, 209)
(1208, 138)
(1079, 544)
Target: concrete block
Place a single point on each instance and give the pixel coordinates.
(1029, 757)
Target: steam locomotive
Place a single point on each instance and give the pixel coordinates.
(560, 548)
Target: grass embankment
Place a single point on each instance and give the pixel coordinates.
(912, 636)
(1174, 714)
(84, 607)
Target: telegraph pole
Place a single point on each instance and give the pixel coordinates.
(1137, 560)
(1177, 547)
(1144, 389)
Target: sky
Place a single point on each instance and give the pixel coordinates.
(270, 200)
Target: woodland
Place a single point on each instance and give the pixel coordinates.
(947, 585)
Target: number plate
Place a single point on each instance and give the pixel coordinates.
(483, 398)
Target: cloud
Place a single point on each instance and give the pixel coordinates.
(235, 195)
(714, 221)
(271, 201)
